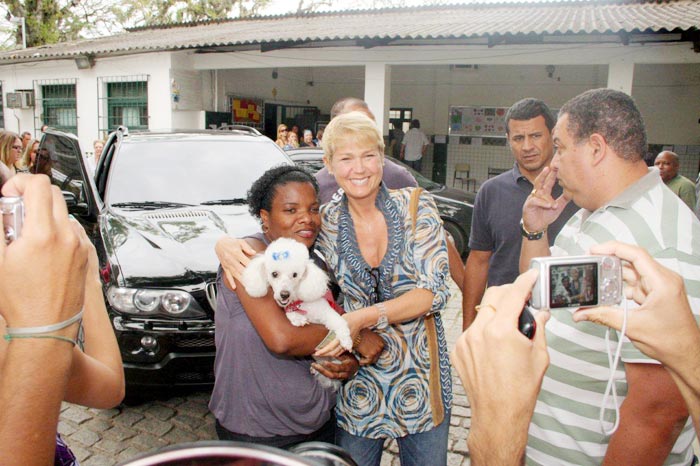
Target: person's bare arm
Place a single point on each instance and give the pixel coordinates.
(502, 373)
(688, 382)
(476, 276)
(456, 263)
(97, 375)
(651, 418)
(234, 255)
(42, 277)
(408, 306)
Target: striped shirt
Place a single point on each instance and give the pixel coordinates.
(565, 429)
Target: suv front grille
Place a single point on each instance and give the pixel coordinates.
(194, 342)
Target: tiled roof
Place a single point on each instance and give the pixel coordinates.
(383, 27)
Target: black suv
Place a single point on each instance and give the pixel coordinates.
(155, 208)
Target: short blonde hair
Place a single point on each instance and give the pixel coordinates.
(352, 125)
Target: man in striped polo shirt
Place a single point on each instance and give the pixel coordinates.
(600, 141)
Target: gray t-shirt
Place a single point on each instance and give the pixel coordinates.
(395, 177)
(257, 392)
(496, 222)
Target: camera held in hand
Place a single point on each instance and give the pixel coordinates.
(12, 217)
(576, 281)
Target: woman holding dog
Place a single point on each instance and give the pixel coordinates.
(264, 392)
(388, 253)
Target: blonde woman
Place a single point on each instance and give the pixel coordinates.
(390, 260)
(26, 162)
(10, 149)
(282, 133)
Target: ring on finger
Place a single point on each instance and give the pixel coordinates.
(534, 191)
(483, 306)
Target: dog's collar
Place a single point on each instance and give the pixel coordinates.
(294, 306)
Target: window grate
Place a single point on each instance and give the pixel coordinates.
(56, 105)
(122, 101)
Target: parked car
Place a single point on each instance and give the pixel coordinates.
(456, 206)
(154, 210)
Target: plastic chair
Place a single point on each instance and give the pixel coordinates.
(462, 173)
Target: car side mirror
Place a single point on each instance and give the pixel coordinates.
(75, 207)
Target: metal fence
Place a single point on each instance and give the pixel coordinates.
(122, 101)
(56, 104)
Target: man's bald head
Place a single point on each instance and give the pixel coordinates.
(668, 163)
(351, 104)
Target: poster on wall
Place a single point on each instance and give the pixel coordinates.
(247, 110)
(478, 121)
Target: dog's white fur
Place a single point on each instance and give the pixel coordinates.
(286, 268)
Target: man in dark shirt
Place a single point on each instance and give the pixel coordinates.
(495, 237)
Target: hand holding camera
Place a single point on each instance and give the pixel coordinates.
(42, 271)
(664, 308)
(492, 353)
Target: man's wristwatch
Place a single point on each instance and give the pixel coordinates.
(531, 236)
(383, 320)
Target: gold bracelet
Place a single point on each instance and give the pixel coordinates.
(356, 341)
(481, 306)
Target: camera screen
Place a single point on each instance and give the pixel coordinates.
(573, 285)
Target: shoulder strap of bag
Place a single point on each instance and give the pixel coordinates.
(413, 207)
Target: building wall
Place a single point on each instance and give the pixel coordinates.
(21, 76)
(668, 95)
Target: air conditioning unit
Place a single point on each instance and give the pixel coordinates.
(20, 99)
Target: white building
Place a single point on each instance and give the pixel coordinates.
(443, 65)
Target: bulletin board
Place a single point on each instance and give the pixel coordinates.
(247, 110)
(478, 121)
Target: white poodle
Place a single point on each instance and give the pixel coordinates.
(298, 285)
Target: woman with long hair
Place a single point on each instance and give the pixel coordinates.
(28, 159)
(10, 149)
(282, 132)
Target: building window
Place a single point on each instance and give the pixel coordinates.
(123, 102)
(58, 105)
(2, 108)
(402, 116)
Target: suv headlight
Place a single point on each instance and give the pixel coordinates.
(149, 302)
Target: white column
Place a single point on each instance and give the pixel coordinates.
(620, 76)
(378, 93)
(86, 92)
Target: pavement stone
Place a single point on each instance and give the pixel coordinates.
(110, 436)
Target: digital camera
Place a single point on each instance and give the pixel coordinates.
(12, 209)
(576, 281)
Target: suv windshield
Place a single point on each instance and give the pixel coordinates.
(188, 171)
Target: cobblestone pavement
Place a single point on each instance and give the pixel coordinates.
(107, 437)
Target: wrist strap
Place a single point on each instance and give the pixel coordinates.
(12, 331)
(9, 337)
